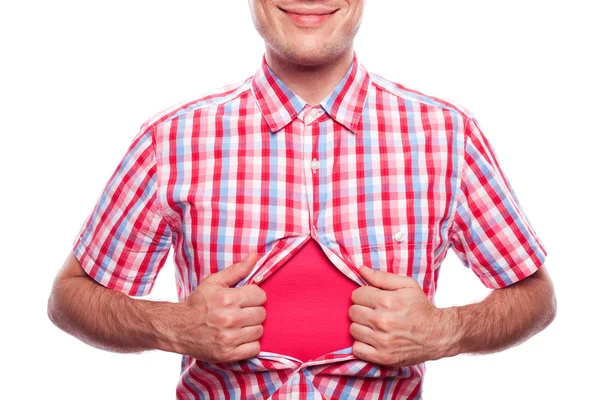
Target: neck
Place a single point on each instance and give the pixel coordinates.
(313, 83)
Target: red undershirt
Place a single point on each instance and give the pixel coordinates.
(307, 306)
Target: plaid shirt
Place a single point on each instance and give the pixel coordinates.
(379, 174)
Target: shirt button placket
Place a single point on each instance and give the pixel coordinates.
(313, 136)
(312, 116)
(314, 165)
(400, 236)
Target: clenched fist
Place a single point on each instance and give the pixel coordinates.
(218, 323)
(395, 324)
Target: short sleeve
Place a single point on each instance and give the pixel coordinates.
(124, 242)
(490, 232)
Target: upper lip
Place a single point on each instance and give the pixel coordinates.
(309, 11)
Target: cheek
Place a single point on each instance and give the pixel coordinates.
(356, 14)
(348, 25)
(262, 16)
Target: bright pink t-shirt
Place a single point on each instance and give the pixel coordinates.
(307, 306)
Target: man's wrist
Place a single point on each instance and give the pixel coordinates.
(450, 341)
(161, 330)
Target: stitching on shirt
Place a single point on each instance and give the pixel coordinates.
(178, 112)
(439, 101)
(390, 245)
(530, 252)
(107, 271)
(159, 207)
(461, 169)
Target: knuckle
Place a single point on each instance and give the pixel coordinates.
(225, 320)
(227, 339)
(384, 340)
(225, 299)
(383, 323)
(384, 301)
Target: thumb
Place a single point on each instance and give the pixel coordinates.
(385, 280)
(235, 272)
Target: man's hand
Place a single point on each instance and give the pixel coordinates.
(220, 323)
(394, 323)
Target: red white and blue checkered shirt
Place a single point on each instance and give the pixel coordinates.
(379, 174)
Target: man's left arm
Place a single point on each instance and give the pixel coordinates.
(394, 323)
(506, 317)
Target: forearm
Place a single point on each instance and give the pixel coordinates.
(109, 319)
(505, 318)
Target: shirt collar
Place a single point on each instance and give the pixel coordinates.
(279, 105)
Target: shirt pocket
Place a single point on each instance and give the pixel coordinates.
(406, 251)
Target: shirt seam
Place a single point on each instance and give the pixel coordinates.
(461, 173)
(439, 105)
(159, 206)
(177, 113)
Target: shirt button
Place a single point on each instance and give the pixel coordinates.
(315, 112)
(314, 164)
(258, 278)
(399, 236)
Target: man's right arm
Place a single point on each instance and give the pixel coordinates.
(215, 323)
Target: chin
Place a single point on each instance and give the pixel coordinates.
(312, 54)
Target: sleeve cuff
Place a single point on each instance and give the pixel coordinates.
(535, 259)
(105, 276)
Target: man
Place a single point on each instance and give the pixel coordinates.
(310, 151)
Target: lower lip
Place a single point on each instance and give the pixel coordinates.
(308, 20)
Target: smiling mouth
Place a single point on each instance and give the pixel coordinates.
(306, 19)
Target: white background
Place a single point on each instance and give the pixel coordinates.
(79, 78)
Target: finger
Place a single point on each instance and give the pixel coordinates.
(365, 352)
(250, 334)
(253, 295)
(249, 316)
(386, 280)
(362, 315)
(363, 334)
(365, 296)
(235, 272)
(227, 297)
(247, 350)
